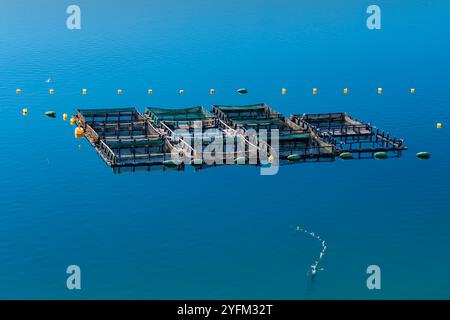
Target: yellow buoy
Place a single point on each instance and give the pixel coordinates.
(380, 90)
(18, 91)
(25, 111)
(413, 90)
(79, 132)
(150, 91)
(181, 91)
(270, 159)
(315, 91)
(345, 90)
(119, 91)
(72, 121)
(438, 125)
(65, 116)
(52, 91)
(212, 91)
(283, 91)
(84, 91)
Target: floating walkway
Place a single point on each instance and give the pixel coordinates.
(130, 141)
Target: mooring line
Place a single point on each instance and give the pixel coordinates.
(315, 266)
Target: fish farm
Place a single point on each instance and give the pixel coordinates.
(168, 139)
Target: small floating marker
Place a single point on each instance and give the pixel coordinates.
(24, 111)
(271, 159)
(65, 116)
(84, 91)
(423, 155)
(170, 163)
(294, 157)
(79, 132)
(413, 90)
(380, 90)
(150, 91)
(381, 155)
(51, 91)
(181, 91)
(18, 91)
(438, 125)
(212, 91)
(51, 114)
(346, 156)
(283, 91)
(242, 91)
(345, 90)
(72, 120)
(314, 90)
(119, 91)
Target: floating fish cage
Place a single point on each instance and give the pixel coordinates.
(195, 131)
(295, 143)
(126, 140)
(350, 136)
(130, 141)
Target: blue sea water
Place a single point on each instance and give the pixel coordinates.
(225, 232)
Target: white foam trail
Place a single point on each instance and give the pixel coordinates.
(315, 266)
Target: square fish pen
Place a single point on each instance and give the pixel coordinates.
(351, 136)
(125, 140)
(295, 143)
(194, 131)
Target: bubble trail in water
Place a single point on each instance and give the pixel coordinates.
(315, 266)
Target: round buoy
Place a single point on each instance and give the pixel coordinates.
(212, 91)
(65, 116)
(423, 155)
(271, 159)
(283, 91)
(346, 156)
(438, 125)
(345, 90)
(79, 132)
(380, 90)
(24, 111)
(51, 91)
(18, 91)
(240, 160)
(84, 91)
(150, 91)
(72, 121)
(51, 114)
(181, 91)
(315, 91)
(381, 155)
(170, 163)
(294, 157)
(119, 91)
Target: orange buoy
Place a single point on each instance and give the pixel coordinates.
(79, 132)
(72, 121)
(51, 91)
